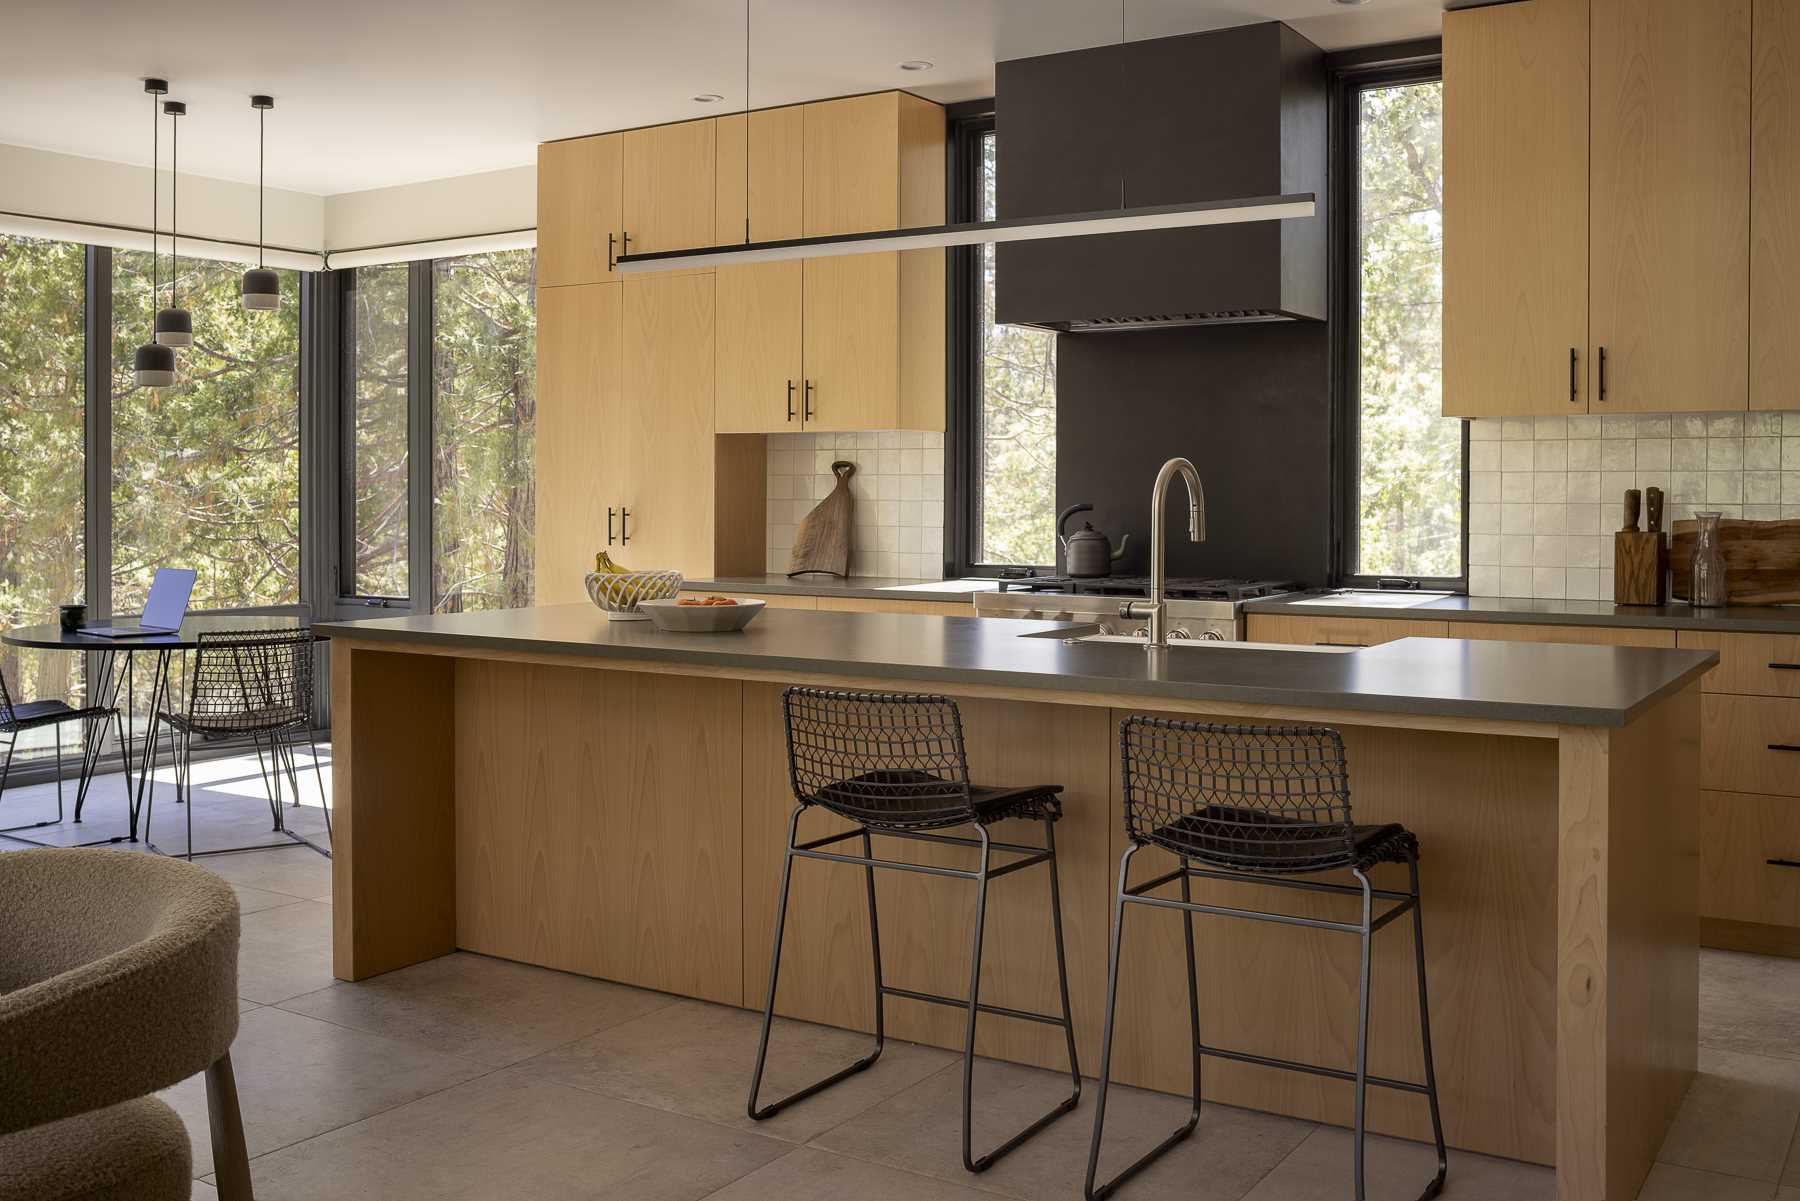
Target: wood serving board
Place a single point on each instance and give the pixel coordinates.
(822, 543)
(1762, 560)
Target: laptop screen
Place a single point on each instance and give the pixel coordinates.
(168, 601)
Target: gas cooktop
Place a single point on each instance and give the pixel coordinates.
(1135, 586)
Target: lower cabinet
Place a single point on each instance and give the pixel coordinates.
(1337, 631)
(1750, 860)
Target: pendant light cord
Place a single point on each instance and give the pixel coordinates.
(259, 188)
(746, 122)
(155, 201)
(174, 206)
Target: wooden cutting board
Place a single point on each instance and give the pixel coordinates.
(1762, 560)
(822, 543)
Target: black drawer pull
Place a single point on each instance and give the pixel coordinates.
(1784, 667)
(1783, 746)
(1784, 862)
(1365, 644)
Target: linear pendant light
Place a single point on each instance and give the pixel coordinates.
(975, 233)
(174, 325)
(262, 287)
(153, 365)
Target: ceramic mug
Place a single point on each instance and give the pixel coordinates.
(72, 616)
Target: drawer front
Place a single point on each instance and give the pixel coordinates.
(1336, 631)
(1750, 744)
(1749, 664)
(1571, 635)
(1750, 858)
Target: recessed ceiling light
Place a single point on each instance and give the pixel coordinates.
(708, 98)
(915, 64)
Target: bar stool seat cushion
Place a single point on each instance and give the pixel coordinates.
(916, 800)
(134, 1151)
(1219, 835)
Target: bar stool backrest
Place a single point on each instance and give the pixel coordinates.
(247, 681)
(878, 758)
(6, 702)
(1272, 799)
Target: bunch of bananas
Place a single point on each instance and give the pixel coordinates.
(604, 565)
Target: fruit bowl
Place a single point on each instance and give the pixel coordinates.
(619, 594)
(671, 616)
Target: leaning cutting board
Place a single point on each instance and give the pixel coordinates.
(822, 543)
(1762, 560)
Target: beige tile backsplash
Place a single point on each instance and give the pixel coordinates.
(1546, 493)
(898, 490)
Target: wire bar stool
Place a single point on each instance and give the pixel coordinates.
(1257, 805)
(247, 683)
(19, 717)
(896, 765)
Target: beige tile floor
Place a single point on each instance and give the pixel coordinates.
(470, 1077)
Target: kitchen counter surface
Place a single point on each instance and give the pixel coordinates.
(1578, 685)
(866, 587)
(1746, 619)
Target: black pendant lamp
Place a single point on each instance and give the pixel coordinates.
(174, 325)
(154, 365)
(262, 287)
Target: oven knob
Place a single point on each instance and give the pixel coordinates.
(1211, 636)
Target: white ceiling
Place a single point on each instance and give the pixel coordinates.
(371, 93)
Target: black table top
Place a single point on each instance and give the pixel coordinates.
(52, 637)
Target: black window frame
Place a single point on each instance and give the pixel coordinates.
(1352, 73)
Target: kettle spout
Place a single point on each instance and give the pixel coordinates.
(1120, 552)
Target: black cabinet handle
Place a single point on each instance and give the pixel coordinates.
(1783, 746)
(1603, 373)
(806, 406)
(1783, 862)
(1366, 644)
(790, 400)
(1574, 388)
(1784, 667)
(612, 257)
(624, 526)
(609, 526)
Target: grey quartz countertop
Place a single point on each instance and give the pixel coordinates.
(1743, 619)
(1506, 681)
(868, 587)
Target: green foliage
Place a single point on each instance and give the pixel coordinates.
(379, 333)
(42, 410)
(206, 474)
(1017, 496)
(484, 416)
(1410, 482)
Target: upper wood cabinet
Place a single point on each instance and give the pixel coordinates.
(1516, 209)
(759, 178)
(581, 453)
(1669, 315)
(669, 183)
(579, 201)
(760, 373)
(1775, 206)
(1597, 207)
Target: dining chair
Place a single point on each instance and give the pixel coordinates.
(18, 718)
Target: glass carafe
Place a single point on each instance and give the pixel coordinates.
(1708, 587)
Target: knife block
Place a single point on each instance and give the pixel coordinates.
(1640, 568)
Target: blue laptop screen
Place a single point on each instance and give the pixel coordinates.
(168, 601)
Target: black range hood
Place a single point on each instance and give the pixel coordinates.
(1207, 116)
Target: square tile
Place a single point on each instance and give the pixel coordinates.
(1485, 518)
(1724, 454)
(1724, 487)
(1549, 582)
(1516, 581)
(1584, 425)
(810, 1174)
(1515, 519)
(1689, 454)
(1762, 454)
(1484, 549)
(1653, 425)
(1738, 1116)
(1484, 456)
(1747, 1004)
(1550, 487)
(1724, 425)
(1584, 487)
(1584, 454)
(1516, 486)
(1762, 487)
(1759, 425)
(1515, 550)
(1618, 454)
(1320, 1171)
(1484, 581)
(1550, 456)
(1667, 1182)
(1582, 583)
(1517, 456)
(1549, 550)
(1549, 518)
(1556, 427)
(284, 952)
(1653, 454)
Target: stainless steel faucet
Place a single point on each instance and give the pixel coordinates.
(1154, 612)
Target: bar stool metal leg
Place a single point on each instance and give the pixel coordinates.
(1362, 1034)
(762, 1047)
(1431, 1093)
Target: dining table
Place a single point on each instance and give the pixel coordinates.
(113, 669)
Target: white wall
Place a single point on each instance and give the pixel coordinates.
(460, 206)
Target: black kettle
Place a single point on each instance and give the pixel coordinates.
(1087, 552)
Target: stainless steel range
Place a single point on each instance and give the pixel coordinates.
(1210, 610)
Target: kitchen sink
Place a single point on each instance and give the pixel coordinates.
(1092, 634)
(1365, 599)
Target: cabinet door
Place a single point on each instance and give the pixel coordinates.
(669, 183)
(1669, 304)
(668, 401)
(851, 165)
(758, 357)
(852, 345)
(579, 202)
(580, 460)
(759, 182)
(1516, 209)
(1775, 207)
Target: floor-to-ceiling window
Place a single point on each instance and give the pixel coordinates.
(206, 474)
(375, 411)
(484, 420)
(42, 416)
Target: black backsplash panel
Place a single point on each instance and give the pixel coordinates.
(1249, 404)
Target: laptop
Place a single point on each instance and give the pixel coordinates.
(163, 611)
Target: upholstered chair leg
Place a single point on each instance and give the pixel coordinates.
(231, 1161)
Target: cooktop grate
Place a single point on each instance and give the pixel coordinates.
(1132, 586)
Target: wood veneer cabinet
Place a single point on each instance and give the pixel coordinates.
(1775, 206)
(1597, 207)
(834, 344)
(580, 200)
(580, 415)
(668, 185)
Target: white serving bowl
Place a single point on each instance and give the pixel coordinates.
(677, 618)
(620, 595)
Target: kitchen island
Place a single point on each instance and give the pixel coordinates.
(546, 786)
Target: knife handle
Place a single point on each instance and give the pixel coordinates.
(1633, 503)
(1653, 510)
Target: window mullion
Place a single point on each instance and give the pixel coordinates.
(420, 387)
